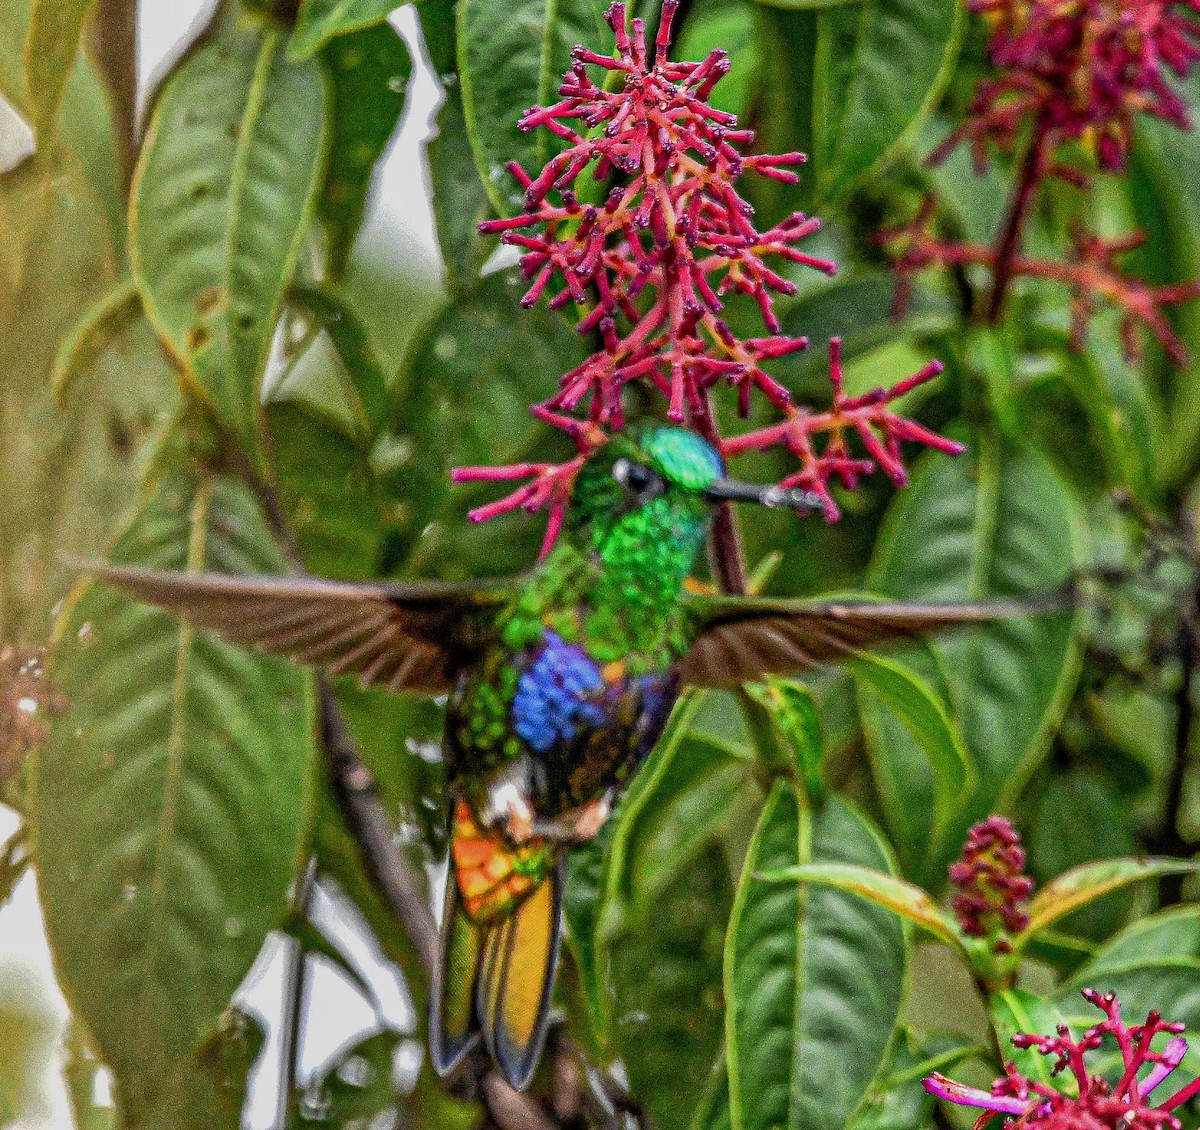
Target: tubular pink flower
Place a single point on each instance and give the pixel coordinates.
(1099, 1104)
(649, 268)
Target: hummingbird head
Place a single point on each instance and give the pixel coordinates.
(658, 487)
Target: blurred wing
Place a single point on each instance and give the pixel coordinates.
(404, 637)
(739, 639)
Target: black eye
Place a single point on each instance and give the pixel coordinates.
(635, 478)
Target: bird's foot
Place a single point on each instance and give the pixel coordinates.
(578, 826)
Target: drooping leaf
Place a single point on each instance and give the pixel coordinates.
(189, 764)
(1090, 881)
(369, 72)
(925, 716)
(512, 54)
(905, 899)
(55, 29)
(319, 21)
(223, 193)
(814, 978)
(992, 523)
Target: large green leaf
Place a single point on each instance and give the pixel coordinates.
(992, 523)
(1018, 1010)
(320, 21)
(512, 54)
(879, 70)
(1153, 964)
(369, 70)
(814, 977)
(171, 804)
(924, 715)
(55, 28)
(223, 193)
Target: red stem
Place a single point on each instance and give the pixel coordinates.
(1032, 171)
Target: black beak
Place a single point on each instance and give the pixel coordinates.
(793, 498)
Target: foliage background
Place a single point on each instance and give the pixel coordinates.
(150, 405)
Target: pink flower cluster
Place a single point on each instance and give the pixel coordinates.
(991, 888)
(649, 269)
(1075, 68)
(1099, 1104)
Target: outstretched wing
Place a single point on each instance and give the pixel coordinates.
(404, 637)
(739, 639)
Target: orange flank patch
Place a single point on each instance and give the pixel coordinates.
(614, 672)
(698, 587)
(492, 875)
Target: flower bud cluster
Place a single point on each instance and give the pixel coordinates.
(991, 888)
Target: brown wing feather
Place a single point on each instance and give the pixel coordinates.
(739, 639)
(405, 637)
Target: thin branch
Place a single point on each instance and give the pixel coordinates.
(358, 797)
(1032, 171)
(112, 39)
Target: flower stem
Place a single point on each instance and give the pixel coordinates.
(1033, 169)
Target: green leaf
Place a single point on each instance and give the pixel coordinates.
(1153, 964)
(1018, 1010)
(880, 68)
(814, 979)
(320, 21)
(992, 523)
(460, 201)
(894, 894)
(93, 334)
(713, 1112)
(582, 903)
(924, 715)
(171, 804)
(794, 712)
(666, 977)
(896, 1100)
(361, 374)
(224, 190)
(334, 504)
(729, 26)
(512, 54)
(358, 1087)
(369, 72)
(1091, 881)
(55, 29)
(469, 379)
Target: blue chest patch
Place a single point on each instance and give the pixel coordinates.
(550, 703)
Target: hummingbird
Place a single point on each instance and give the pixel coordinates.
(559, 683)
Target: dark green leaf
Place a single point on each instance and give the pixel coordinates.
(361, 373)
(814, 978)
(224, 190)
(582, 901)
(369, 71)
(512, 54)
(189, 764)
(880, 68)
(666, 973)
(991, 523)
(460, 201)
(896, 1100)
(322, 20)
